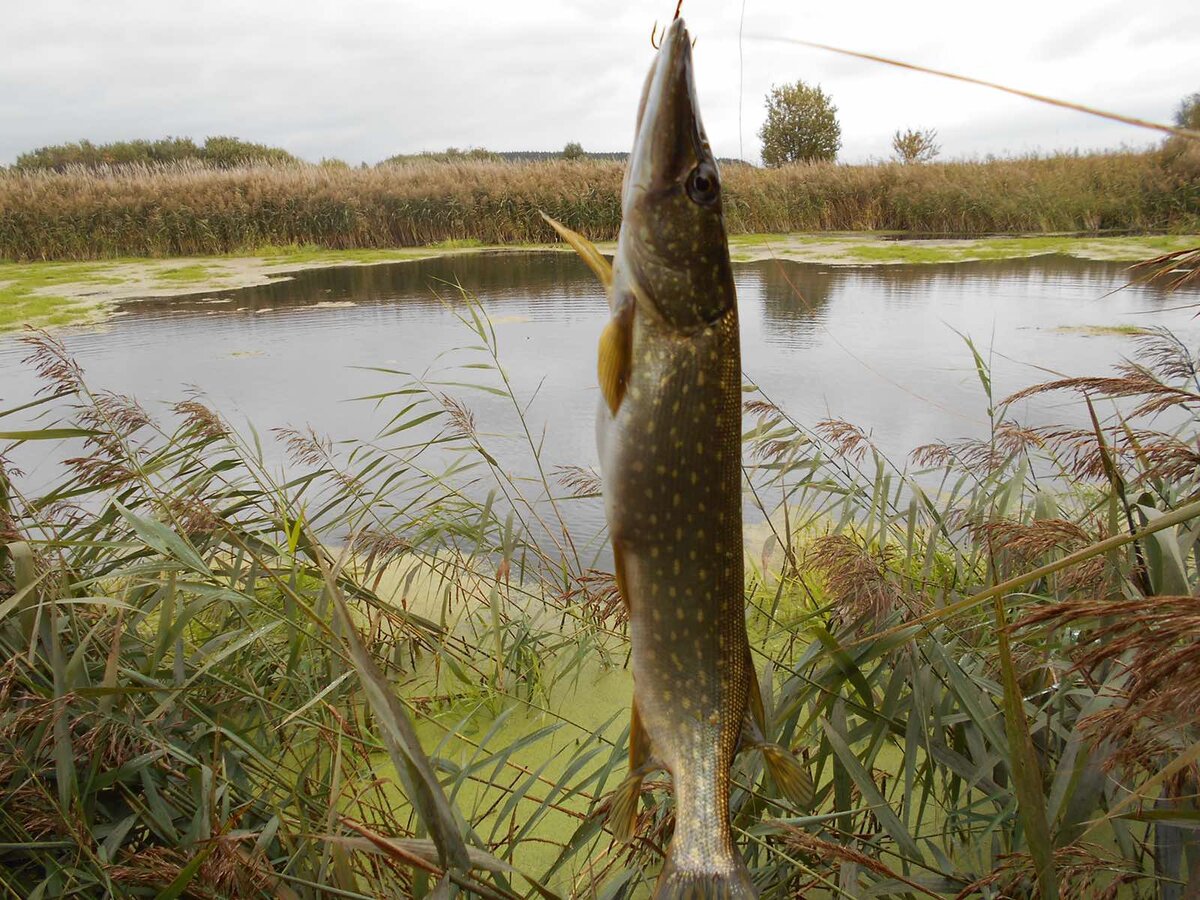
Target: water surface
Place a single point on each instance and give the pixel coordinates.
(880, 346)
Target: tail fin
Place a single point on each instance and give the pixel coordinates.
(729, 884)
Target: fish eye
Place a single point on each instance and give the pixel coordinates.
(702, 184)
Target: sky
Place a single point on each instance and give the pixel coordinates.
(361, 80)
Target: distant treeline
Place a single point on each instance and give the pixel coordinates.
(453, 154)
(218, 152)
(231, 152)
(480, 154)
(189, 209)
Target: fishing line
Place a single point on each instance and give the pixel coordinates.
(1040, 98)
(741, 85)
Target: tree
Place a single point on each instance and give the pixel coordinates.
(219, 152)
(573, 150)
(801, 125)
(1188, 113)
(913, 146)
(223, 152)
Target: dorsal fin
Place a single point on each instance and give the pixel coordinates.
(586, 249)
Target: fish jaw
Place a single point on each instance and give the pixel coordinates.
(672, 254)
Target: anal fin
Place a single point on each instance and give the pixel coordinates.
(789, 774)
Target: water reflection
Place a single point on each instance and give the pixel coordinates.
(500, 277)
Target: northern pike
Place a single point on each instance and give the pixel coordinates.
(669, 436)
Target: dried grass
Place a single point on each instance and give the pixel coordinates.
(187, 209)
(1153, 641)
(858, 580)
(1085, 872)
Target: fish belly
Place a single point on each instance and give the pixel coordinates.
(671, 467)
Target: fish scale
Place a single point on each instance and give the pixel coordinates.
(669, 434)
(672, 493)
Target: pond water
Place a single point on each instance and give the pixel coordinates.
(880, 346)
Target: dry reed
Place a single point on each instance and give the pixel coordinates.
(188, 209)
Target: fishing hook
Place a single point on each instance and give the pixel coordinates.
(654, 28)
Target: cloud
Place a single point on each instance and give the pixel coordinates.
(364, 79)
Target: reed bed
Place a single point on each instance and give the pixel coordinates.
(189, 209)
(216, 673)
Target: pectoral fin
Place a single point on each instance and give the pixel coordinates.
(789, 774)
(586, 249)
(616, 355)
(623, 810)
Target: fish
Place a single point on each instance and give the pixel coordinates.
(668, 432)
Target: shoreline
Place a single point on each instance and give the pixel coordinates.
(59, 294)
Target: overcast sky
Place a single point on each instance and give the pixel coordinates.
(364, 79)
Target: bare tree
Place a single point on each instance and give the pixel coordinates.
(915, 146)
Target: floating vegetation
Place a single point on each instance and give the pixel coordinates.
(215, 672)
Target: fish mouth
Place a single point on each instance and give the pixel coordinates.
(670, 138)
